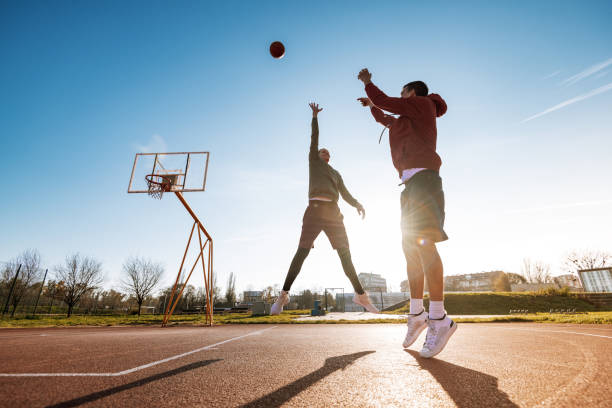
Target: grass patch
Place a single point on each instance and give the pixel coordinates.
(500, 303)
(284, 318)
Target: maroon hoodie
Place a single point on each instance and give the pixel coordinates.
(413, 134)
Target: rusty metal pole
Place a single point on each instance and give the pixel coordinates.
(11, 291)
(210, 251)
(40, 292)
(178, 276)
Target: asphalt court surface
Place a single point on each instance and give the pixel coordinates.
(324, 365)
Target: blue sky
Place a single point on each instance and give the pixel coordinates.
(86, 85)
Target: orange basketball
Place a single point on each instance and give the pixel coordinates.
(277, 49)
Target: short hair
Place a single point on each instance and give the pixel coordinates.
(420, 89)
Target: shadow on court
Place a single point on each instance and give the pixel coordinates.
(110, 391)
(284, 394)
(467, 388)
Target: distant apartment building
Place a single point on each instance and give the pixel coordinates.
(252, 296)
(596, 280)
(372, 282)
(472, 282)
(568, 280)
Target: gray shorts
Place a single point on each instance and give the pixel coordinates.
(422, 204)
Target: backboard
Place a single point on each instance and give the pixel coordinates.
(185, 170)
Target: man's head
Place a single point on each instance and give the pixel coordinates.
(415, 88)
(324, 154)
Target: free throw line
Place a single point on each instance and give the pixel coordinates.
(141, 367)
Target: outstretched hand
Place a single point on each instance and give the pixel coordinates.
(361, 211)
(365, 102)
(365, 76)
(315, 109)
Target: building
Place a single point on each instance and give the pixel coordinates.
(252, 296)
(372, 282)
(596, 280)
(472, 282)
(568, 281)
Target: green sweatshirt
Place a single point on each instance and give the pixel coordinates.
(324, 180)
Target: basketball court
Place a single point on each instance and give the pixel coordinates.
(362, 365)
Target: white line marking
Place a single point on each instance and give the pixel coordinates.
(141, 367)
(558, 331)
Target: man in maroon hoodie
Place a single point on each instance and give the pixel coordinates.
(412, 137)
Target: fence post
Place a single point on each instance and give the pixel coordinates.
(39, 293)
(11, 291)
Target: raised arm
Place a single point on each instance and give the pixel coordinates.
(400, 106)
(379, 116)
(314, 137)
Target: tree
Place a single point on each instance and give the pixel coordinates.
(141, 277)
(230, 291)
(28, 274)
(515, 278)
(306, 300)
(268, 294)
(111, 299)
(586, 259)
(536, 271)
(216, 292)
(53, 291)
(80, 275)
(502, 283)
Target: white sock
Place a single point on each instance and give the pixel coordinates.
(416, 306)
(436, 309)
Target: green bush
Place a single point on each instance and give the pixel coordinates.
(552, 291)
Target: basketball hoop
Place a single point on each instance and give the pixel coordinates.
(158, 184)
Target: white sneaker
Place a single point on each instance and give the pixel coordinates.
(416, 324)
(281, 301)
(364, 300)
(440, 330)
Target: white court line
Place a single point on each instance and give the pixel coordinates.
(557, 331)
(141, 367)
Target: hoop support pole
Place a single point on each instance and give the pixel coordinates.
(208, 278)
(178, 276)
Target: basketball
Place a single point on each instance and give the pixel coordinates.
(277, 49)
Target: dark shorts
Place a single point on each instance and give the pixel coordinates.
(422, 204)
(323, 216)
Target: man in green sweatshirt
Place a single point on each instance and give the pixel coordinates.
(323, 214)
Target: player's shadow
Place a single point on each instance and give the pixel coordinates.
(467, 388)
(110, 391)
(284, 394)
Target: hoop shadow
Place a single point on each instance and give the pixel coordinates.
(110, 391)
(284, 394)
(467, 388)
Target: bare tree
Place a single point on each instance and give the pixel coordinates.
(141, 277)
(502, 283)
(536, 271)
(28, 274)
(230, 291)
(268, 294)
(586, 259)
(80, 275)
(216, 291)
(515, 278)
